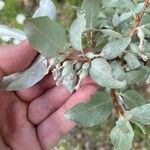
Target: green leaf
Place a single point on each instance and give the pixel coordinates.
(45, 35)
(100, 71)
(127, 15)
(132, 61)
(139, 125)
(93, 112)
(122, 135)
(133, 99)
(70, 81)
(111, 33)
(133, 77)
(129, 4)
(134, 48)
(116, 20)
(142, 114)
(115, 48)
(46, 8)
(68, 76)
(76, 30)
(91, 8)
(117, 70)
(27, 78)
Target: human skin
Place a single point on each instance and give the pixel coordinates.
(33, 119)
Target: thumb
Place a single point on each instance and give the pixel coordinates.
(15, 58)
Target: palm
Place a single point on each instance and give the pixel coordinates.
(16, 131)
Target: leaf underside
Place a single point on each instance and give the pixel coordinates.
(27, 78)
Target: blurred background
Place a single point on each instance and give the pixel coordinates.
(13, 13)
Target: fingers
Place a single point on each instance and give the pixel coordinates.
(46, 104)
(50, 101)
(87, 80)
(32, 93)
(3, 146)
(56, 126)
(25, 139)
(16, 58)
(16, 130)
(48, 82)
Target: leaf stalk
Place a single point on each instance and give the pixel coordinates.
(118, 107)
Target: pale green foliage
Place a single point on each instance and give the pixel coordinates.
(122, 135)
(142, 114)
(115, 48)
(118, 60)
(91, 8)
(70, 81)
(91, 113)
(46, 8)
(48, 39)
(76, 30)
(138, 124)
(135, 76)
(111, 33)
(133, 99)
(132, 61)
(117, 70)
(100, 72)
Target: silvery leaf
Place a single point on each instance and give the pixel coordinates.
(111, 33)
(27, 78)
(135, 76)
(70, 81)
(76, 30)
(142, 114)
(116, 20)
(133, 99)
(100, 71)
(115, 48)
(91, 8)
(122, 135)
(132, 61)
(117, 70)
(46, 8)
(11, 32)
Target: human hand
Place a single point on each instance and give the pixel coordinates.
(33, 119)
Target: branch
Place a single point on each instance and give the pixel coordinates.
(79, 59)
(138, 19)
(118, 107)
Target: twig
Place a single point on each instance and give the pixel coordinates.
(75, 55)
(79, 59)
(138, 19)
(118, 107)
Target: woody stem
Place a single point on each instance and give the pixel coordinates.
(138, 19)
